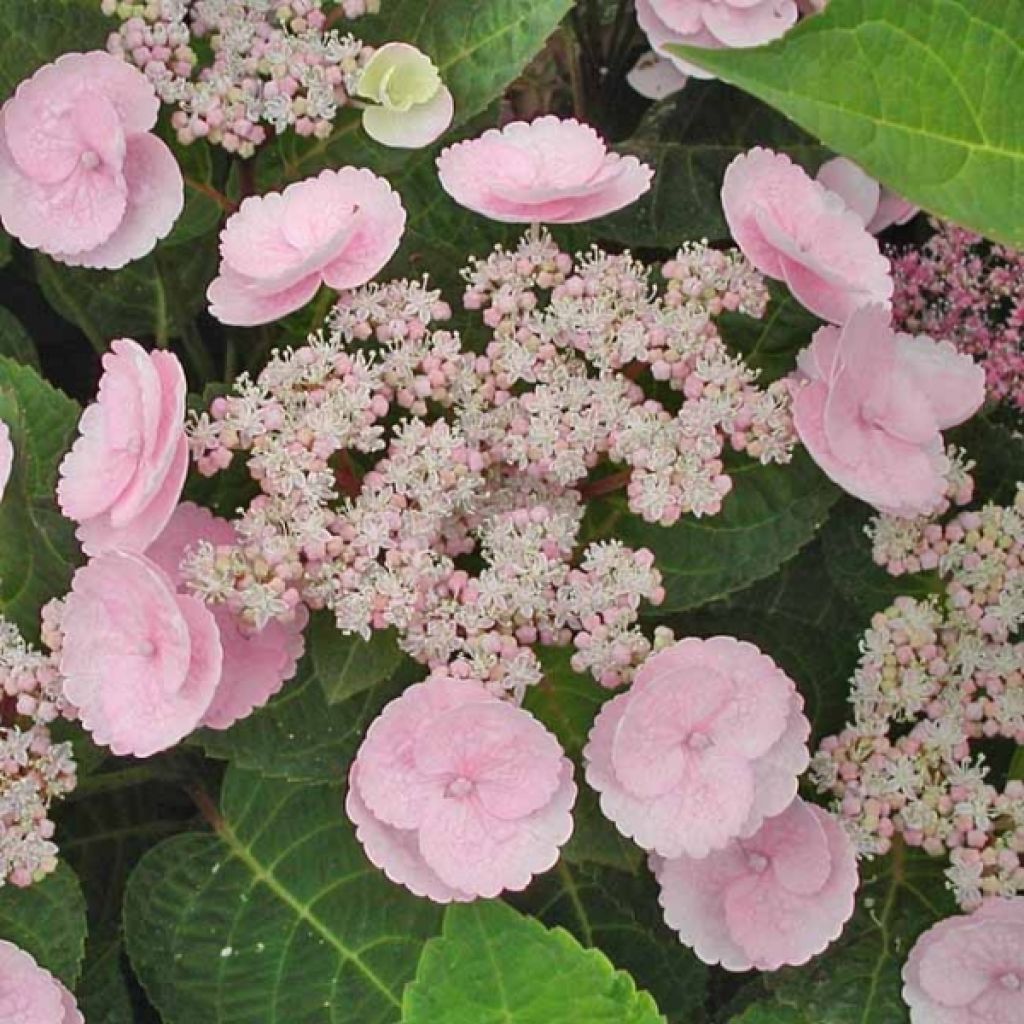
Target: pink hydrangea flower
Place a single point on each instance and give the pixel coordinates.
(878, 207)
(6, 457)
(777, 897)
(257, 663)
(123, 476)
(794, 229)
(81, 177)
(140, 662)
(708, 742)
(969, 969)
(655, 77)
(30, 994)
(338, 229)
(548, 171)
(456, 794)
(712, 25)
(873, 404)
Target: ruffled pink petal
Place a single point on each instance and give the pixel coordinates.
(189, 524)
(691, 896)
(892, 209)
(140, 663)
(777, 772)
(72, 1015)
(236, 302)
(512, 762)
(156, 197)
(396, 851)
(951, 382)
(476, 852)
(687, 26)
(256, 666)
(6, 457)
(411, 129)
(390, 783)
(796, 844)
(776, 926)
(739, 24)
(99, 534)
(858, 190)
(655, 77)
(29, 994)
(127, 88)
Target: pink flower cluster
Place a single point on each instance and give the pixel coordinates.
(698, 763)
(969, 970)
(971, 292)
(30, 994)
(273, 66)
(531, 424)
(143, 662)
(34, 771)
(457, 794)
(81, 176)
(936, 676)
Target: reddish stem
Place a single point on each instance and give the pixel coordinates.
(606, 485)
(208, 190)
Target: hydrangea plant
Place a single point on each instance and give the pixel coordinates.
(511, 511)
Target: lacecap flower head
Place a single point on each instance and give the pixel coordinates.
(338, 229)
(548, 170)
(412, 106)
(140, 662)
(872, 406)
(81, 177)
(794, 229)
(123, 476)
(712, 25)
(777, 897)
(707, 742)
(969, 969)
(30, 994)
(457, 794)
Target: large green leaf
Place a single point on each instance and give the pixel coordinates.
(275, 918)
(298, 735)
(38, 551)
(922, 95)
(34, 32)
(770, 514)
(494, 966)
(346, 664)
(47, 920)
(15, 342)
(154, 297)
(618, 913)
(689, 140)
(857, 981)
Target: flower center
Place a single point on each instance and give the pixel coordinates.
(1010, 981)
(757, 862)
(698, 741)
(459, 788)
(145, 649)
(89, 160)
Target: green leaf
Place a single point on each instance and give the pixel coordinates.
(998, 454)
(151, 298)
(6, 248)
(493, 966)
(38, 551)
(857, 980)
(34, 32)
(275, 918)
(15, 342)
(920, 94)
(298, 735)
(618, 913)
(802, 620)
(47, 920)
(202, 213)
(689, 140)
(104, 994)
(348, 665)
(770, 514)
(771, 343)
